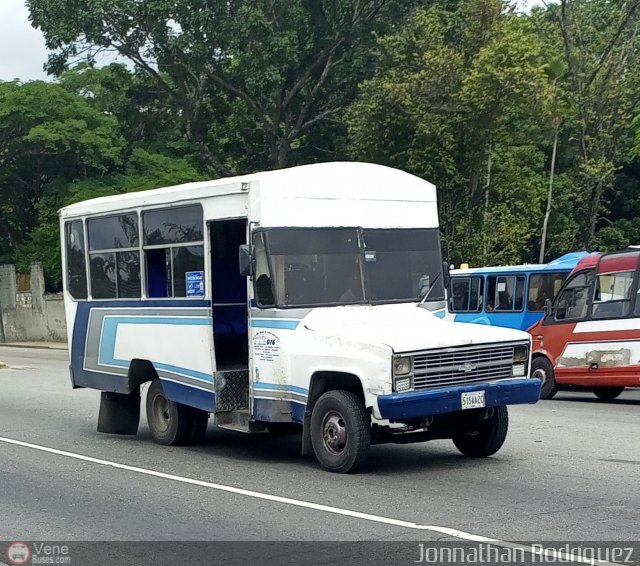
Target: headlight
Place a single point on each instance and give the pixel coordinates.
(521, 354)
(402, 365)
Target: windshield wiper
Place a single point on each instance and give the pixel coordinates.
(431, 288)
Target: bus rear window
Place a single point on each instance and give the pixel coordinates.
(76, 266)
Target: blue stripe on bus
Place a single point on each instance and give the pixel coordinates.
(278, 387)
(275, 323)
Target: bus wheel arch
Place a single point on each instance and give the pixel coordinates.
(320, 383)
(542, 368)
(140, 371)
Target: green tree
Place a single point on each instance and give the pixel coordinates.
(457, 98)
(47, 134)
(599, 43)
(271, 72)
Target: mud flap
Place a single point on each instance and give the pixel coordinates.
(307, 447)
(119, 413)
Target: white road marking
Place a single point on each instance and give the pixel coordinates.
(454, 533)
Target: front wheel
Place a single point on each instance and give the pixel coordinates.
(542, 369)
(485, 439)
(608, 393)
(340, 432)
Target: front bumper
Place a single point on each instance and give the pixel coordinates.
(447, 399)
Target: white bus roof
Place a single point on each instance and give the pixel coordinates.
(326, 181)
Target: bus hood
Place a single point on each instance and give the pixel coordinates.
(403, 327)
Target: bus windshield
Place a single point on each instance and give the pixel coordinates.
(334, 266)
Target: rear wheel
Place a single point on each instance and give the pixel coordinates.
(608, 393)
(172, 423)
(485, 439)
(340, 431)
(542, 369)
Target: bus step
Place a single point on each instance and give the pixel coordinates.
(239, 420)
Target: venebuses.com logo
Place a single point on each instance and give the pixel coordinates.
(20, 553)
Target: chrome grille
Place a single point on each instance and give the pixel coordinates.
(464, 364)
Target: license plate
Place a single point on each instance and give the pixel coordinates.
(472, 399)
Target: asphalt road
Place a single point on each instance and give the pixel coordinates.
(568, 471)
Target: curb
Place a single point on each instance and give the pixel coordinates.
(35, 345)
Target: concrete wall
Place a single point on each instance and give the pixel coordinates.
(28, 316)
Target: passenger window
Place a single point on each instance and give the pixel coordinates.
(174, 252)
(612, 295)
(173, 225)
(505, 293)
(466, 294)
(114, 257)
(76, 262)
(573, 302)
(542, 287)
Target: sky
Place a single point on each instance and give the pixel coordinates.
(22, 48)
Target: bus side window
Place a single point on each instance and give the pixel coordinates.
(543, 286)
(477, 288)
(174, 251)
(466, 294)
(519, 295)
(114, 256)
(460, 291)
(612, 295)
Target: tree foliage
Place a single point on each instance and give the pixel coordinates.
(484, 100)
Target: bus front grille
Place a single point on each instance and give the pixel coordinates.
(460, 365)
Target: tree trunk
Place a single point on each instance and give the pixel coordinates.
(280, 150)
(549, 195)
(486, 202)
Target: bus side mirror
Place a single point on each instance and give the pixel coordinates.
(245, 260)
(547, 307)
(446, 276)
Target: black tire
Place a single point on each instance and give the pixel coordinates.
(608, 393)
(541, 368)
(169, 422)
(284, 429)
(485, 439)
(340, 432)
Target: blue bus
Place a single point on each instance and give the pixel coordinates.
(510, 296)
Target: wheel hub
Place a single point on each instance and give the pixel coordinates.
(541, 375)
(161, 412)
(334, 432)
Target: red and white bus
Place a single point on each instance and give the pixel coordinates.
(590, 335)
